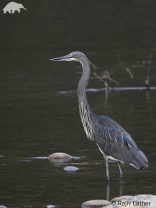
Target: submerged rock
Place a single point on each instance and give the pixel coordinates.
(1, 206)
(50, 206)
(60, 157)
(97, 203)
(71, 168)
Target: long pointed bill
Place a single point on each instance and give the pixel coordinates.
(63, 58)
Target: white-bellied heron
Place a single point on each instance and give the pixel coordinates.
(115, 143)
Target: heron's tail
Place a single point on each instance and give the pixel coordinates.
(140, 160)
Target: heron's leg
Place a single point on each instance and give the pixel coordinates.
(107, 170)
(121, 173)
(108, 192)
(121, 189)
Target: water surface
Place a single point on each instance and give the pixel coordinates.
(37, 119)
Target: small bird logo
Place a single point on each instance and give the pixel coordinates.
(13, 7)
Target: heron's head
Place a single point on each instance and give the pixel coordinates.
(73, 56)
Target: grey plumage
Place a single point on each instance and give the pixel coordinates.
(113, 141)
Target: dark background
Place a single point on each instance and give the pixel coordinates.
(36, 120)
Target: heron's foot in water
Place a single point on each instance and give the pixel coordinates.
(122, 179)
(107, 179)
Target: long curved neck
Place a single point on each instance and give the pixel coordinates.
(86, 114)
(82, 85)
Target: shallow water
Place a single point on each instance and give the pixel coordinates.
(38, 103)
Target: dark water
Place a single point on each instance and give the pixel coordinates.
(37, 120)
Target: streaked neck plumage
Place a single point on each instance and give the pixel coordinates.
(86, 113)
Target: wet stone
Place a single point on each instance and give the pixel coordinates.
(110, 206)
(1, 206)
(71, 168)
(50, 206)
(60, 157)
(98, 203)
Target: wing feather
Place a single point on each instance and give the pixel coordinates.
(116, 142)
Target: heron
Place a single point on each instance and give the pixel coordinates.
(113, 141)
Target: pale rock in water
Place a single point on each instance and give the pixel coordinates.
(60, 157)
(71, 168)
(98, 203)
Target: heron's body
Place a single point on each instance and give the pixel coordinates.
(113, 141)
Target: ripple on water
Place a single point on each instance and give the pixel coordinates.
(111, 89)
